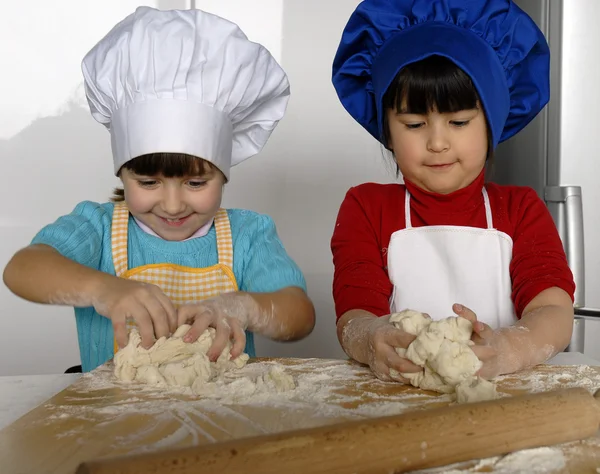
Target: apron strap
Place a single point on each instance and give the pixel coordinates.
(224, 240)
(120, 222)
(488, 209)
(408, 222)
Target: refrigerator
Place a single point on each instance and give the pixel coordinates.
(556, 153)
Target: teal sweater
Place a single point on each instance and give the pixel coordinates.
(260, 262)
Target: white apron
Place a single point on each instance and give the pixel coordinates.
(433, 267)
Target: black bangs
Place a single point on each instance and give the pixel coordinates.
(434, 83)
(169, 165)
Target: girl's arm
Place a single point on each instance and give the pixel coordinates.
(543, 331)
(284, 315)
(39, 273)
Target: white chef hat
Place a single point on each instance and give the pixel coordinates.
(184, 81)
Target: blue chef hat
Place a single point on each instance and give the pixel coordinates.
(493, 41)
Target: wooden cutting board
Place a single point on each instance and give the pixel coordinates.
(96, 417)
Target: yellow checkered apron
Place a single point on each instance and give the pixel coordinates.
(181, 284)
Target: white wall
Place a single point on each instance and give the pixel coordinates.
(579, 138)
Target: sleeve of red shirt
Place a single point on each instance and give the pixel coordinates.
(539, 260)
(360, 278)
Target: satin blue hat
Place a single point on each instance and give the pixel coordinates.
(493, 41)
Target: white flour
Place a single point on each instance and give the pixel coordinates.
(573, 376)
(529, 461)
(326, 391)
(322, 385)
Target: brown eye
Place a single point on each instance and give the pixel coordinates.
(460, 123)
(413, 126)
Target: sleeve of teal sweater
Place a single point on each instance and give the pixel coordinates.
(80, 235)
(267, 266)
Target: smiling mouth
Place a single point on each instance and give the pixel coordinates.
(174, 222)
(443, 166)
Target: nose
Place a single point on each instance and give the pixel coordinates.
(438, 140)
(171, 202)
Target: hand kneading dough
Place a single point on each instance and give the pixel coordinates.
(170, 361)
(442, 348)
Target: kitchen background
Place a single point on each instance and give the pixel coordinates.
(54, 154)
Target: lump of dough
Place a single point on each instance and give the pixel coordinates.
(476, 390)
(443, 349)
(455, 362)
(277, 380)
(237, 387)
(170, 361)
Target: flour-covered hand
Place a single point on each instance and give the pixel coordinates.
(229, 314)
(487, 343)
(120, 299)
(382, 339)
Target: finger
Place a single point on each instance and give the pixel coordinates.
(222, 337)
(484, 353)
(239, 339)
(185, 314)
(169, 309)
(381, 371)
(478, 340)
(202, 321)
(398, 338)
(120, 330)
(399, 364)
(464, 312)
(395, 376)
(488, 372)
(484, 331)
(159, 317)
(146, 329)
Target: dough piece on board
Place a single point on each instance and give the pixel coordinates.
(443, 349)
(170, 361)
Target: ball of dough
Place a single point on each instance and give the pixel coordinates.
(443, 349)
(170, 361)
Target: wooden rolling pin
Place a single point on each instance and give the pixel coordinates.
(400, 443)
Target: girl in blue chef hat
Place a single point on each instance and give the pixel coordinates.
(440, 83)
(185, 96)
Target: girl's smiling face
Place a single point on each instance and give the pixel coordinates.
(174, 207)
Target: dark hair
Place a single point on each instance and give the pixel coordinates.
(432, 83)
(169, 165)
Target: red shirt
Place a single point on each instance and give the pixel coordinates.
(371, 212)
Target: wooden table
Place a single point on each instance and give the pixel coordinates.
(96, 417)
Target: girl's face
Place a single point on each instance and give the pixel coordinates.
(440, 153)
(176, 207)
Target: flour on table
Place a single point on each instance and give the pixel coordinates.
(173, 362)
(443, 349)
(545, 460)
(273, 380)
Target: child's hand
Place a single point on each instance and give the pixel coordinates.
(487, 342)
(227, 313)
(382, 340)
(119, 299)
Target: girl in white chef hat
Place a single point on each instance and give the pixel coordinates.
(185, 96)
